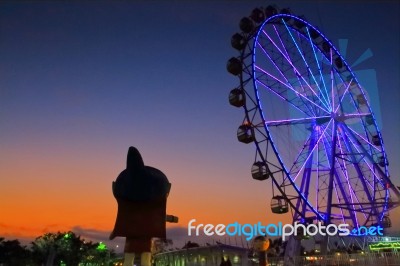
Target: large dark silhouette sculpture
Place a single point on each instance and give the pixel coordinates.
(141, 192)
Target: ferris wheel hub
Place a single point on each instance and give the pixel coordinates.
(338, 117)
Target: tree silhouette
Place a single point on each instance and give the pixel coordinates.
(55, 249)
(13, 254)
(58, 247)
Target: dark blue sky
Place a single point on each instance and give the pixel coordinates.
(81, 81)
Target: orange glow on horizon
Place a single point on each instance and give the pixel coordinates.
(42, 197)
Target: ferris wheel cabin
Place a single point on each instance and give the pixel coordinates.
(236, 98)
(246, 25)
(234, 66)
(238, 41)
(279, 205)
(260, 171)
(245, 134)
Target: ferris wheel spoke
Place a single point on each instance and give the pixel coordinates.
(364, 151)
(300, 155)
(360, 174)
(353, 216)
(343, 94)
(325, 102)
(296, 121)
(331, 172)
(280, 96)
(284, 84)
(305, 181)
(311, 152)
(375, 180)
(344, 117)
(332, 79)
(385, 183)
(319, 68)
(352, 193)
(297, 72)
(333, 82)
(380, 201)
(338, 182)
(337, 179)
(365, 140)
(294, 69)
(283, 75)
(354, 160)
(280, 40)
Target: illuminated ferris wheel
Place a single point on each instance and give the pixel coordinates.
(315, 134)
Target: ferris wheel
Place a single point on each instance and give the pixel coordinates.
(315, 134)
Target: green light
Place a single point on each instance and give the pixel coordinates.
(385, 245)
(101, 246)
(67, 235)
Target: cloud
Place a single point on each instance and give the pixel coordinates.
(91, 233)
(24, 234)
(177, 232)
(12, 231)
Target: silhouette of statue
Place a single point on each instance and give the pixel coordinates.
(228, 262)
(223, 262)
(141, 193)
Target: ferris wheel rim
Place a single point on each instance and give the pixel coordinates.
(282, 164)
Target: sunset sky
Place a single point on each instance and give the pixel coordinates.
(81, 82)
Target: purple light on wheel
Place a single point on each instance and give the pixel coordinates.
(300, 101)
